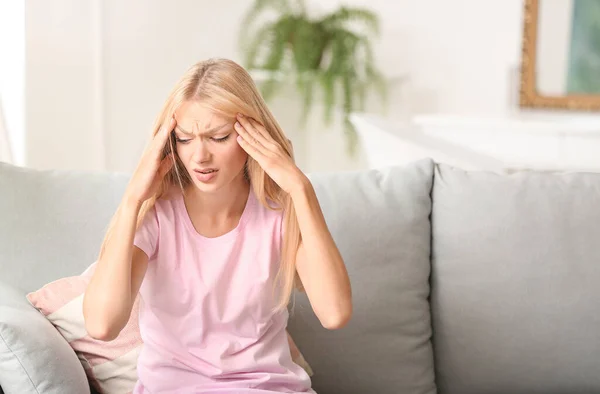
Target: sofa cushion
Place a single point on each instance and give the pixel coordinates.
(515, 282)
(52, 222)
(380, 222)
(34, 357)
(111, 366)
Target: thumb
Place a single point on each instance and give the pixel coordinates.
(165, 166)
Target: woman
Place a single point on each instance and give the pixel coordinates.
(216, 227)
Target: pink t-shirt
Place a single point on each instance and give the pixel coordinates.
(206, 314)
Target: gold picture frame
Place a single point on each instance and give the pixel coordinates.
(529, 95)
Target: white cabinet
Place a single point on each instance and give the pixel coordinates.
(495, 144)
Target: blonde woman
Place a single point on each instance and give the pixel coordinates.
(216, 227)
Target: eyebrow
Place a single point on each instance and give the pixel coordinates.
(214, 130)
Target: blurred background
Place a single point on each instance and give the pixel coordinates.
(495, 84)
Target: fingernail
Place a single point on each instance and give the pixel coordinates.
(238, 125)
(240, 115)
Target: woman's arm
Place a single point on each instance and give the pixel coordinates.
(121, 267)
(319, 263)
(109, 297)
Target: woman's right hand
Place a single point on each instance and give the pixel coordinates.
(151, 169)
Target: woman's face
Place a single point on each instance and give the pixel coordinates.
(207, 145)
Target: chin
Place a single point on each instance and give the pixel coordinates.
(212, 187)
(216, 183)
(207, 188)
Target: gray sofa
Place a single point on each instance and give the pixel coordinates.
(463, 282)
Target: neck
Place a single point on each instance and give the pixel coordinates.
(227, 202)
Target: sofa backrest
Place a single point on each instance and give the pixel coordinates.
(516, 282)
(52, 222)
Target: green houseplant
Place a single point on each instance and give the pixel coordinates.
(332, 52)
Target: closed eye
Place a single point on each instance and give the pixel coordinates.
(222, 139)
(185, 141)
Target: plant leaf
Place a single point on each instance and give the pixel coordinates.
(282, 7)
(344, 15)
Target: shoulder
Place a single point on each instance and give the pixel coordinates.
(268, 210)
(261, 215)
(269, 218)
(161, 214)
(157, 221)
(167, 205)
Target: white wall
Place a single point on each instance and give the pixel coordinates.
(460, 57)
(109, 64)
(61, 87)
(147, 46)
(12, 81)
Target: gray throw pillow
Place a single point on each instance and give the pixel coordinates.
(34, 357)
(379, 220)
(515, 274)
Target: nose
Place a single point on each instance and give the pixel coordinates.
(202, 152)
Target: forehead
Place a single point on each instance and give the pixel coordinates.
(192, 116)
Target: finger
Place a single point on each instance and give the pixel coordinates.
(161, 137)
(291, 147)
(251, 129)
(166, 165)
(261, 129)
(248, 138)
(269, 142)
(264, 145)
(250, 149)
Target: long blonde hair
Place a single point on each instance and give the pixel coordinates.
(226, 88)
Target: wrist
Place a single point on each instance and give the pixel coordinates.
(302, 187)
(131, 202)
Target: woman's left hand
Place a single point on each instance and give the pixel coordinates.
(258, 143)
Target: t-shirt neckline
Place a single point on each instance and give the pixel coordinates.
(246, 213)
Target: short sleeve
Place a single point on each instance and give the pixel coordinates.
(146, 236)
